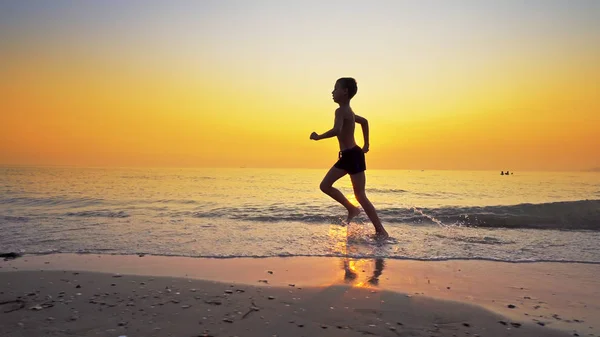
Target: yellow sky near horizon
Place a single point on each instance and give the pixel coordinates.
(220, 84)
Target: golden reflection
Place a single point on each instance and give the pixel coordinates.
(354, 266)
(339, 236)
(353, 200)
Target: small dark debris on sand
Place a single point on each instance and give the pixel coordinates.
(10, 256)
(213, 302)
(20, 305)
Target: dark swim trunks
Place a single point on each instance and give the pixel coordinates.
(352, 160)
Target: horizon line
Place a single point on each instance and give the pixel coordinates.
(592, 170)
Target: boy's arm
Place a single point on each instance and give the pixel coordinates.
(365, 129)
(337, 127)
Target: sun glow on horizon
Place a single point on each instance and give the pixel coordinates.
(444, 84)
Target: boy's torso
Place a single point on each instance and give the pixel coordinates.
(346, 136)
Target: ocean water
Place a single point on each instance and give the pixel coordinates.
(431, 215)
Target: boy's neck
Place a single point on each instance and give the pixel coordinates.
(344, 104)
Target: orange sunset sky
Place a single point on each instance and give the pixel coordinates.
(444, 84)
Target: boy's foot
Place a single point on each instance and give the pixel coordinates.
(379, 236)
(352, 213)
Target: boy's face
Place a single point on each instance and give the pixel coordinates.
(338, 92)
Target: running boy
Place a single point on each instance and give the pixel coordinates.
(351, 156)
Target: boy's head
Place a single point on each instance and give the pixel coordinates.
(345, 88)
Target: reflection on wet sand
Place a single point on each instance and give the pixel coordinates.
(339, 237)
(351, 267)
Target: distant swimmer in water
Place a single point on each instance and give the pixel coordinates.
(351, 158)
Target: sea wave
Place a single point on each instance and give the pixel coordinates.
(9, 218)
(387, 190)
(177, 201)
(100, 214)
(582, 214)
(563, 215)
(52, 201)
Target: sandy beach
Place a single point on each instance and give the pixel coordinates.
(105, 295)
(300, 168)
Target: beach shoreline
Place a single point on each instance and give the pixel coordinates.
(537, 295)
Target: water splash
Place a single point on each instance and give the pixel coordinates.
(434, 220)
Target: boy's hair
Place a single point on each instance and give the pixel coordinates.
(350, 84)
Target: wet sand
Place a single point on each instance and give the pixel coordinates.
(103, 295)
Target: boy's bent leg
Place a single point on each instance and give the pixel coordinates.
(326, 186)
(358, 183)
